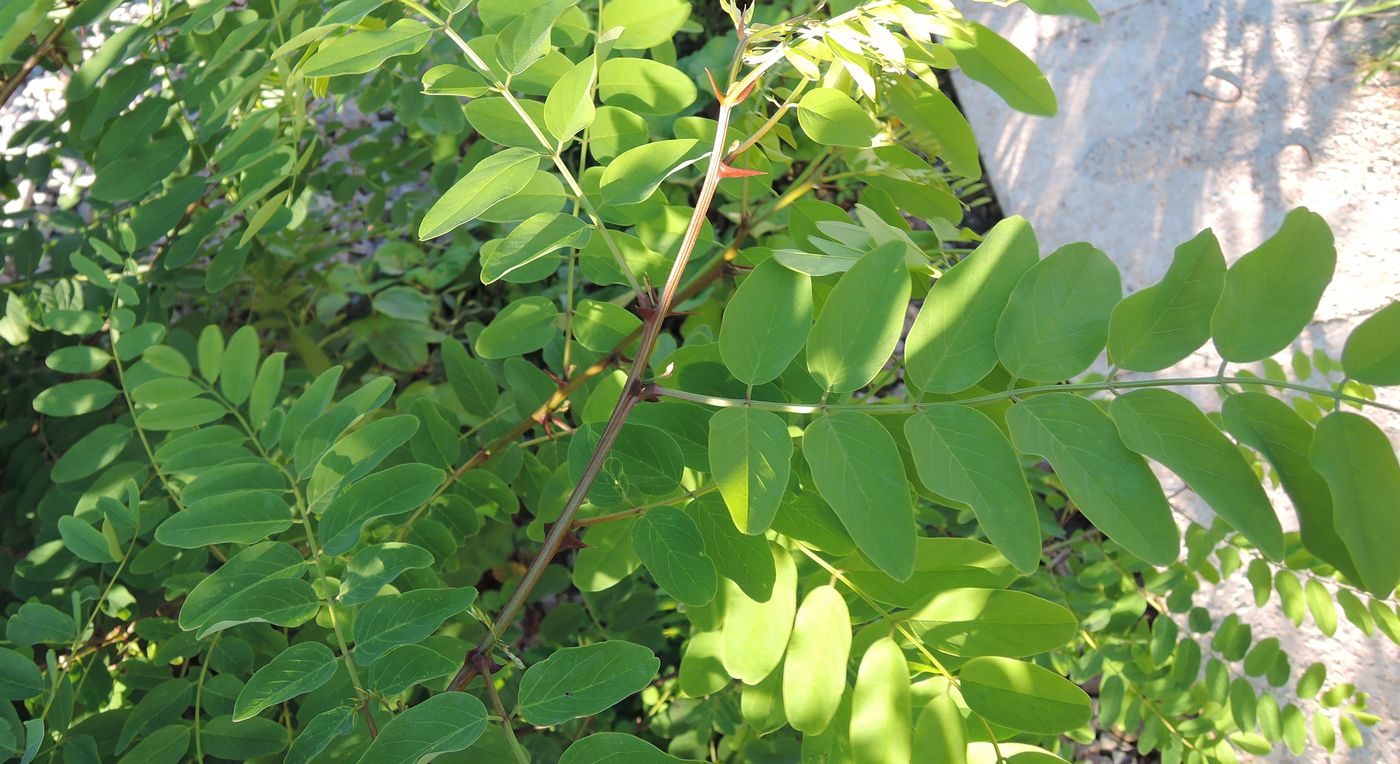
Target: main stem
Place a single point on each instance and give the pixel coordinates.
(632, 391)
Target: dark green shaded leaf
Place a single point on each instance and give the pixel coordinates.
(295, 671)
(319, 732)
(84, 541)
(407, 665)
(244, 517)
(250, 739)
(1170, 429)
(400, 619)
(1110, 484)
(739, 557)
(391, 492)
(471, 382)
(525, 325)
(669, 544)
(163, 705)
(36, 623)
(93, 452)
(19, 677)
(961, 454)
(857, 469)
(1267, 425)
(644, 461)
(581, 681)
(616, 748)
(374, 566)
(166, 745)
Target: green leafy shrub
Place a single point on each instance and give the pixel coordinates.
(520, 380)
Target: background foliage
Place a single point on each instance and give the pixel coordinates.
(526, 381)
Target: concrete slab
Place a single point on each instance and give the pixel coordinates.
(1181, 115)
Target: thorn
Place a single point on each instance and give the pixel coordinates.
(570, 541)
(713, 86)
(727, 171)
(745, 94)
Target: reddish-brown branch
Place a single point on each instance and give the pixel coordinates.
(632, 392)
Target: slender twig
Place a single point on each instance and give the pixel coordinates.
(199, 699)
(905, 408)
(500, 708)
(643, 509)
(11, 85)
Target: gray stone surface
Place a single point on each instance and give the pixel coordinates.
(1176, 116)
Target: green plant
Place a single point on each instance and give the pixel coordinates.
(1382, 33)
(561, 414)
